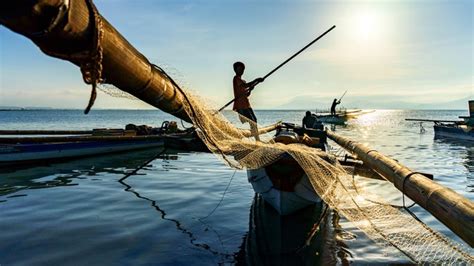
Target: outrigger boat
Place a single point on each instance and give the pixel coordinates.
(27, 150)
(75, 31)
(284, 184)
(337, 119)
(461, 130)
(54, 145)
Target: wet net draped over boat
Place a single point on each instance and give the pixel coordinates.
(391, 227)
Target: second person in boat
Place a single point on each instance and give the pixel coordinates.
(333, 106)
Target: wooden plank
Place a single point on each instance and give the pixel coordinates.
(45, 132)
(20, 140)
(430, 120)
(451, 208)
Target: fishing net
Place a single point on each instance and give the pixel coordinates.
(391, 227)
(115, 92)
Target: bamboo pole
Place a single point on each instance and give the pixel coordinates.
(452, 209)
(65, 29)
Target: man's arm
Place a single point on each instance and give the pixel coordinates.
(253, 83)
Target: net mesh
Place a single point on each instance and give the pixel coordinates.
(391, 227)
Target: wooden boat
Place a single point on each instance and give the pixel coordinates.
(75, 31)
(341, 117)
(48, 145)
(31, 149)
(453, 130)
(187, 141)
(338, 119)
(284, 184)
(461, 130)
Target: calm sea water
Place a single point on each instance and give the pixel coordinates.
(84, 212)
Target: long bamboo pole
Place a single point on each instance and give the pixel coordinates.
(452, 209)
(282, 64)
(66, 29)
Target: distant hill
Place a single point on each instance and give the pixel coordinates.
(370, 102)
(16, 108)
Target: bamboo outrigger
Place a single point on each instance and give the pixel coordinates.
(73, 30)
(454, 210)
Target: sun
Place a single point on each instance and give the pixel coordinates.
(367, 25)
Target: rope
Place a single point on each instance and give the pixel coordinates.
(403, 191)
(92, 69)
(222, 198)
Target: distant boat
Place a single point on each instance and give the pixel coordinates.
(333, 119)
(453, 130)
(341, 117)
(461, 130)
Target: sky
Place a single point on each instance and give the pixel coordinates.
(383, 52)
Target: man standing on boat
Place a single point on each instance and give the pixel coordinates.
(333, 106)
(242, 91)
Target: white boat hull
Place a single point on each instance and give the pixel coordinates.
(331, 119)
(284, 202)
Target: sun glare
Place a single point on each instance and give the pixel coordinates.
(367, 25)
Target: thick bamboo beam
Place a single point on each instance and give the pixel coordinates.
(452, 209)
(66, 29)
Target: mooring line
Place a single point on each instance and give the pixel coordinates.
(222, 198)
(177, 223)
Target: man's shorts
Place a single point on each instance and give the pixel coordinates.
(248, 112)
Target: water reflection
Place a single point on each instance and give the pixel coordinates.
(286, 240)
(463, 145)
(192, 238)
(465, 152)
(269, 238)
(47, 175)
(51, 175)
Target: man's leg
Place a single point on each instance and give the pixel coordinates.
(253, 126)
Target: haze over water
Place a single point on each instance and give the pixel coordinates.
(77, 212)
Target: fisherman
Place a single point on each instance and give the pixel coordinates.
(242, 91)
(333, 106)
(310, 120)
